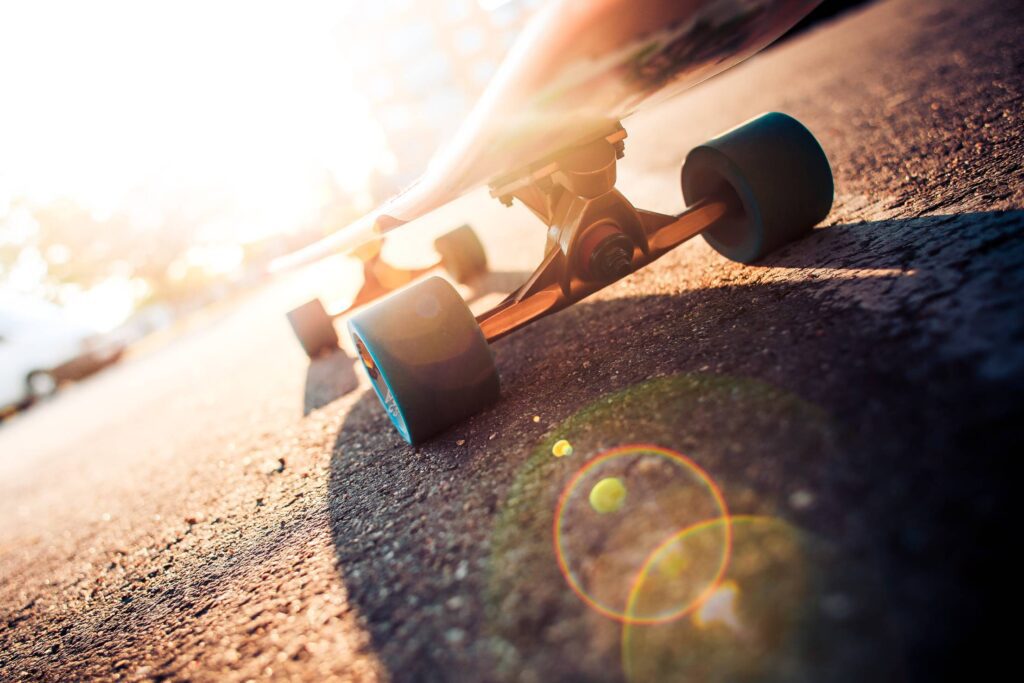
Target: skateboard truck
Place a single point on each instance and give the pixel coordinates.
(595, 237)
(748, 192)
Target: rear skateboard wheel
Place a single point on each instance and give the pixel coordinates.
(462, 254)
(426, 357)
(776, 174)
(314, 328)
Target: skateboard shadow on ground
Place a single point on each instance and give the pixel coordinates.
(328, 377)
(332, 375)
(786, 391)
(903, 243)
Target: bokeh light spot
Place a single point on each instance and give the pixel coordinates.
(608, 495)
(561, 449)
(720, 607)
(674, 563)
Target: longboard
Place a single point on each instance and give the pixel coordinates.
(579, 68)
(547, 132)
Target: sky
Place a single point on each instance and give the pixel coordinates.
(245, 108)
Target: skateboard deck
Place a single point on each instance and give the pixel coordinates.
(577, 70)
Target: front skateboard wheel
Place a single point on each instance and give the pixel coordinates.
(314, 328)
(462, 254)
(776, 175)
(426, 357)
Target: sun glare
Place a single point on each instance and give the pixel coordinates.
(161, 154)
(245, 110)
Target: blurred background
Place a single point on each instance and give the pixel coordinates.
(154, 157)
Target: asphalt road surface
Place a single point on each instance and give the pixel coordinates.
(222, 509)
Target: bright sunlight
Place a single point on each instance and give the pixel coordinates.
(240, 110)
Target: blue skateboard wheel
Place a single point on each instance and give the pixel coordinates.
(777, 175)
(426, 357)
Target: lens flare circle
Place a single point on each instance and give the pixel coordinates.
(744, 620)
(675, 489)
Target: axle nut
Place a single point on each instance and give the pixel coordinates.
(606, 253)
